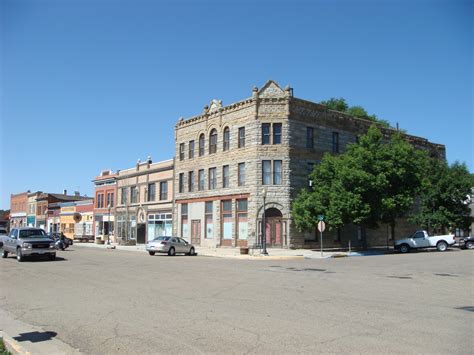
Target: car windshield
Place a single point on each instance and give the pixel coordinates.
(161, 238)
(32, 233)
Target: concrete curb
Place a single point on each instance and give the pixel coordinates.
(12, 346)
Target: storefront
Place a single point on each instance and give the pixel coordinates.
(159, 224)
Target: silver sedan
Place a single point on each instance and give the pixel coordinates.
(170, 245)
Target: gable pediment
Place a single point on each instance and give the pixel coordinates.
(271, 89)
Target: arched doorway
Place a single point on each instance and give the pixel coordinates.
(274, 227)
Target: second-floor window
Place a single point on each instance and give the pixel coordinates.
(181, 183)
(225, 176)
(212, 178)
(163, 190)
(151, 192)
(335, 142)
(134, 194)
(309, 137)
(241, 174)
(191, 181)
(277, 133)
(181, 151)
(191, 150)
(265, 133)
(110, 199)
(241, 137)
(201, 145)
(226, 141)
(277, 172)
(123, 194)
(100, 200)
(213, 142)
(201, 182)
(270, 176)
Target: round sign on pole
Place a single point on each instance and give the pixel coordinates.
(321, 226)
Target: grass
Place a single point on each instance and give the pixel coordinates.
(3, 349)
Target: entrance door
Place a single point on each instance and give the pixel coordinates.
(141, 232)
(196, 232)
(274, 228)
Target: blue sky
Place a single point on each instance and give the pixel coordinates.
(91, 85)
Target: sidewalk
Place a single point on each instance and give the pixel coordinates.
(234, 253)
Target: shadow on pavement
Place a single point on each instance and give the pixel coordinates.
(35, 337)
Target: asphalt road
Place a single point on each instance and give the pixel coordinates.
(111, 301)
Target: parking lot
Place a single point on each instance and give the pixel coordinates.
(111, 301)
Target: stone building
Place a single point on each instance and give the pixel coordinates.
(144, 207)
(229, 157)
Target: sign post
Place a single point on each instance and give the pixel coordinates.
(321, 228)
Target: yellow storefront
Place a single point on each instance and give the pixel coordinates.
(67, 220)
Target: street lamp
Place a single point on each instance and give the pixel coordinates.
(108, 227)
(264, 227)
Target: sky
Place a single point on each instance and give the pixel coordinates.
(97, 84)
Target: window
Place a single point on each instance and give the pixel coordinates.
(181, 151)
(241, 137)
(241, 175)
(151, 192)
(191, 150)
(209, 228)
(212, 179)
(181, 182)
(277, 133)
(265, 133)
(201, 180)
(163, 190)
(100, 201)
(123, 194)
(201, 145)
(213, 142)
(226, 145)
(110, 199)
(134, 194)
(225, 176)
(191, 181)
(266, 172)
(184, 221)
(277, 172)
(309, 137)
(335, 142)
(242, 223)
(159, 224)
(227, 219)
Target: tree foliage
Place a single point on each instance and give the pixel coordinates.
(375, 181)
(443, 202)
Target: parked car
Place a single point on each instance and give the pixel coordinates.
(421, 239)
(28, 242)
(3, 235)
(170, 245)
(466, 242)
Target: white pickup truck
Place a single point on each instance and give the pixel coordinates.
(421, 239)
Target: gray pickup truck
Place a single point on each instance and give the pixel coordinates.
(28, 242)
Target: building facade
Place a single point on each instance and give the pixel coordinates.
(234, 162)
(104, 208)
(19, 210)
(31, 215)
(144, 208)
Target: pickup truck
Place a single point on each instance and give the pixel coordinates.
(28, 242)
(421, 239)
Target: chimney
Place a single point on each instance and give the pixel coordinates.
(64, 192)
(77, 193)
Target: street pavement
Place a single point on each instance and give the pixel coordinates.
(102, 301)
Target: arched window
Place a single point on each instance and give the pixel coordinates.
(226, 138)
(213, 142)
(201, 145)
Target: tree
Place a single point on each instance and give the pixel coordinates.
(375, 181)
(444, 197)
(336, 104)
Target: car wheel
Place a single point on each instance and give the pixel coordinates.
(52, 257)
(151, 253)
(441, 246)
(191, 251)
(171, 252)
(470, 245)
(19, 255)
(404, 248)
(5, 254)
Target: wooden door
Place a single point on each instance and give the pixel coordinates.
(196, 232)
(274, 232)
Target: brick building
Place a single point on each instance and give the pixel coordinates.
(19, 209)
(229, 157)
(144, 207)
(105, 202)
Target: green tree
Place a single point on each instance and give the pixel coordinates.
(335, 104)
(375, 181)
(443, 202)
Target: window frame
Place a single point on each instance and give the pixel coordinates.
(213, 141)
(241, 137)
(226, 139)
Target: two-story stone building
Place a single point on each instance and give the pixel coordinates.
(145, 202)
(230, 157)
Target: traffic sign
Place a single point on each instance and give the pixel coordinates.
(321, 226)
